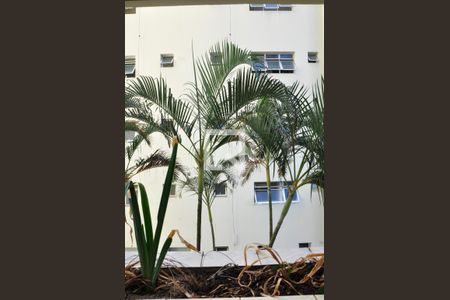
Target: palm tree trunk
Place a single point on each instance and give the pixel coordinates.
(212, 228)
(199, 205)
(284, 212)
(269, 194)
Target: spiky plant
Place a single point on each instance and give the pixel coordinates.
(147, 239)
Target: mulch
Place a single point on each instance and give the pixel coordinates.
(304, 277)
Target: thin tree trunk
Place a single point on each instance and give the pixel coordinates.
(284, 212)
(199, 206)
(212, 228)
(269, 193)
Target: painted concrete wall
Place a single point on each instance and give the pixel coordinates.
(152, 31)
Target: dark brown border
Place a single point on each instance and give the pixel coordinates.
(386, 150)
(63, 219)
(386, 123)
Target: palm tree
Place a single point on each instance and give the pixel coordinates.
(315, 135)
(259, 128)
(224, 88)
(214, 177)
(144, 130)
(299, 151)
(135, 166)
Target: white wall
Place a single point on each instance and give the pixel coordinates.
(156, 30)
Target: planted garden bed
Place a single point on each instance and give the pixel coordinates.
(304, 277)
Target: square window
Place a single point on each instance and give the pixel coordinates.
(220, 189)
(313, 57)
(167, 60)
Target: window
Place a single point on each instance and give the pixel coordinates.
(270, 7)
(279, 191)
(166, 60)
(273, 62)
(220, 189)
(313, 57)
(216, 58)
(130, 66)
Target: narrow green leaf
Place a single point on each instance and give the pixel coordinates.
(147, 217)
(161, 257)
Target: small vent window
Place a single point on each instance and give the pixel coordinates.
(167, 60)
(313, 57)
(130, 66)
(304, 245)
(220, 189)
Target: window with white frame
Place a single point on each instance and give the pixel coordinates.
(220, 189)
(279, 192)
(273, 62)
(130, 66)
(270, 7)
(166, 60)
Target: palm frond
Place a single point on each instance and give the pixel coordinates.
(155, 91)
(155, 160)
(216, 65)
(238, 96)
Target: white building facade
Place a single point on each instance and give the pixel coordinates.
(290, 39)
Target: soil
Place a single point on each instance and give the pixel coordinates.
(229, 281)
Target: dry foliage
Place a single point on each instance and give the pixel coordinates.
(304, 276)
